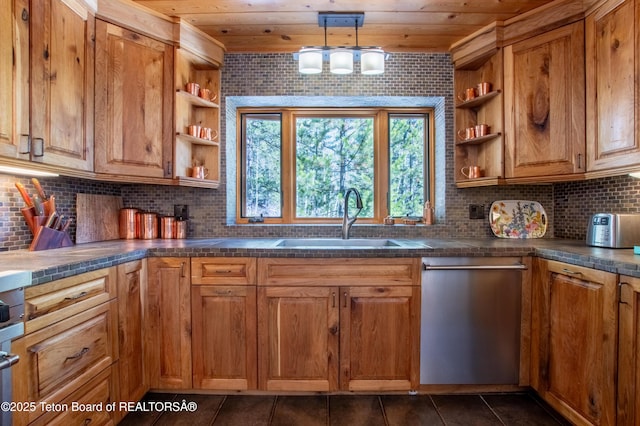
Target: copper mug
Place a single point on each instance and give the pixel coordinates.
(468, 94)
(193, 88)
(199, 172)
(194, 130)
(468, 133)
(471, 172)
(205, 133)
(481, 130)
(208, 95)
(483, 88)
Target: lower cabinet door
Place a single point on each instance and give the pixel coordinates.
(132, 279)
(168, 323)
(298, 338)
(224, 337)
(379, 338)
(629, 353)
(577, 314)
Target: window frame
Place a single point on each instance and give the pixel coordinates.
(381, 155)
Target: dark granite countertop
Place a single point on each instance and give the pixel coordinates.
(54, 264)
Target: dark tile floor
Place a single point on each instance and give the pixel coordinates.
(335, 410)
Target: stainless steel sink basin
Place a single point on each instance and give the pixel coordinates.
(336, 243)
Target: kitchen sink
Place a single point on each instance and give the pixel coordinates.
(337, 243)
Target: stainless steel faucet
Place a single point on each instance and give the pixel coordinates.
(346, 220)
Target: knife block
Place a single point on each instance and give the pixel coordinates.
(44, 238)
(47, 238)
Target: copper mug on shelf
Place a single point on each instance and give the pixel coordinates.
(194, 130)
(208, 95)
(468, 133)
(483, 88)
(199, 172)
(205, 133)
(481, 130)
(468, 94)
(193, 88)
(471, 172)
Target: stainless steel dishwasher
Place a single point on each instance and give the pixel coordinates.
(470, 324)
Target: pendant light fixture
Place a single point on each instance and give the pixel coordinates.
(341, 58)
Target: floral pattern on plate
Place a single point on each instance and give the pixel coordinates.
(517, 219)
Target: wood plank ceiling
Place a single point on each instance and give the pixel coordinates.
(287, 25)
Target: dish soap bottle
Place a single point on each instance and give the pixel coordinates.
(427, 214)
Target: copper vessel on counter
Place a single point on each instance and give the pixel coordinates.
(148, 226)
(166, 227)
(180, 229)
(128, 224)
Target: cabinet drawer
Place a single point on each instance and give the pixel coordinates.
(350, 271)
(223, 270)
(91, 400)
(63, 357)
(52, 302)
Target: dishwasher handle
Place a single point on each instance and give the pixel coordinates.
(517, 266)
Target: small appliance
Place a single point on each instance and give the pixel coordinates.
(614, 230)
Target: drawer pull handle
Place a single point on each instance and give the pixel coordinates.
(223, 292)
(223, 271)
(570, 272)
(77, 296)
(80, 354)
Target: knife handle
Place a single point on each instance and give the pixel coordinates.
(24, 194)
(41, 193)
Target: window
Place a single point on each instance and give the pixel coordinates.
(297, 164)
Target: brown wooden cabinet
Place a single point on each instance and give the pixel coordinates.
(629, 352)
(377, 338)
(574, 341)
(132, 289)
(134, 103)
(70, 346)
(14, 75)
(613, 88)
(298, 338)
(338, 324)
(168, 323)
(223, 314)
(198, 60)
(47, 80)
(544, 106)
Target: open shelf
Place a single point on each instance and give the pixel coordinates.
(195, 182)
(197, 100)
(478, 140)
(477, 101)
(197, 141)
(483, 181)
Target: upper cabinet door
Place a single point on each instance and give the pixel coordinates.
(613, 89)
(14, 75)
(544, 104)
(134, 103)
(62, 69)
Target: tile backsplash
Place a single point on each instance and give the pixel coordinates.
(408, 74)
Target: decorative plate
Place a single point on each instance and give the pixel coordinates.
(517, 219)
